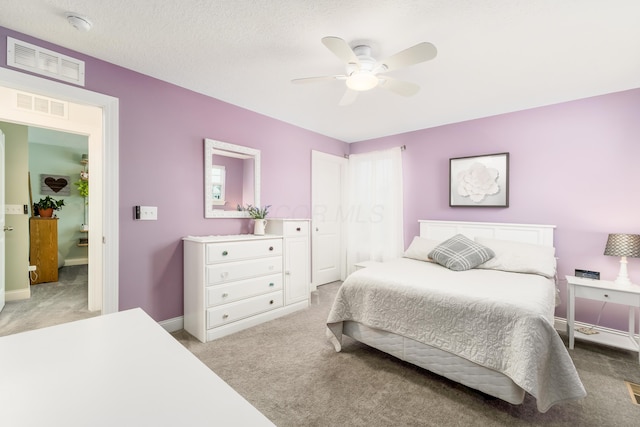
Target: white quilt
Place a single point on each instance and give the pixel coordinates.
(500, 320)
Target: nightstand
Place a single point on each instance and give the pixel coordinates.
(602, 290)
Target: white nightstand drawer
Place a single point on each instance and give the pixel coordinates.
(609, 295)
(231, 271)
(239, 310)
(223, 294)
(233, 251)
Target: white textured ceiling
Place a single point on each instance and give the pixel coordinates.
(494, 56)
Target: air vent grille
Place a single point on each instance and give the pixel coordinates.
(44, 62)
(42, 105)
(634, 392)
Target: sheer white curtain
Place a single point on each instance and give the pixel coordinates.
(374, 220)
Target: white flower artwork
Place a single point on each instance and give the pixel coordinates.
(478, 182)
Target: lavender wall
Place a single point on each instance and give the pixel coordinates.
(574, 165)
(162, 127)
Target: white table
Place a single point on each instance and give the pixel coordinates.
(602, 290)
(121, 369)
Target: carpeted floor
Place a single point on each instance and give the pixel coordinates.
(50, 303)
(288, 370)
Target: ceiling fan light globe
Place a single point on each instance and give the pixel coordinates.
(362, 81)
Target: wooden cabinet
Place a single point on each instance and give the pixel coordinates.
(43, 253)
(232, 283)
(297, 257)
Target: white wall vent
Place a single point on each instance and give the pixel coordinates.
(45, 62)
(42, 104)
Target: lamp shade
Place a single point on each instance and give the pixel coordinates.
(623, 245)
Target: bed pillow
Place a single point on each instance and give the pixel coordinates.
(520, 257)
(460, 253)
(420, 247)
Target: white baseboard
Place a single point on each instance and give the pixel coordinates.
(18, 295)
(75, 261)
(173, 325)
(560, 324)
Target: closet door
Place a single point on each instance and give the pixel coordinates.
(328, 181)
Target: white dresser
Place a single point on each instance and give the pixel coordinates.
(232, 283)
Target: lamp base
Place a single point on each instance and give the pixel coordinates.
(623, 275)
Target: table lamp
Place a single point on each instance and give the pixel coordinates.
(623, 245)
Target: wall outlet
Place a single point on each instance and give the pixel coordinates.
(13, 209)
(145, 213)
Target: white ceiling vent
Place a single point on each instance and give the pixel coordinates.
(44, 62)
(42, 105)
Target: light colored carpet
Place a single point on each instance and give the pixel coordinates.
(50, 303)
(289, 371)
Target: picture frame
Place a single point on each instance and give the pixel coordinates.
(55, 185)
(479, 181)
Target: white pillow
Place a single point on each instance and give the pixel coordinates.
(520, 257)
(420, 247)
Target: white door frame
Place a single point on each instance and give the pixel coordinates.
(2, 221)
(110, 172)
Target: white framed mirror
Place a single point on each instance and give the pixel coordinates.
(231, 179)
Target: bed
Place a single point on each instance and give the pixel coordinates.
(489, 327)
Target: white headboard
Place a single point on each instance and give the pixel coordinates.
(526, 233)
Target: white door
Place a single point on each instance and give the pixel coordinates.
(2, 221)
(328, 175)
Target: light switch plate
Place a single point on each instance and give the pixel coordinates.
(13, 209)
(146, 213)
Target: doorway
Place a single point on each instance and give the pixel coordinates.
(103, 146)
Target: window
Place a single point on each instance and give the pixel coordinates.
(217, 184)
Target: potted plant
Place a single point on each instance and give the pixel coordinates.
(47, 205)
(83, 187)
(259, 216)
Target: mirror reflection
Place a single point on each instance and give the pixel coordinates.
(232, 179)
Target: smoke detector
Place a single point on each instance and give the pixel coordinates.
(78, 22)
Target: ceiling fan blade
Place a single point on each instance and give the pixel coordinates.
(348, 97)
(414, 55)
(399, 87)
(319, 79)
(341, 49)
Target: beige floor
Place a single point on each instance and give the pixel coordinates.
(50, 303)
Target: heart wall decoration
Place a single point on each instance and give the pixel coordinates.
(55, 185)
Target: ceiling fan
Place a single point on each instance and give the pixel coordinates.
(364, 73)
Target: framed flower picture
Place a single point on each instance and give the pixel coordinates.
(479, 181)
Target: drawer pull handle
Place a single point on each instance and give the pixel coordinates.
(225, 253)
(270, 248)
(224, 274)
(298, 229)
(224, 316)
(225, 295)
(606, 295)
(272, 284)
(271, 302)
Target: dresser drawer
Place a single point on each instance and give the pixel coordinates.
(223, 294)
(295, 228)
(231, 271)
(233, 251)
(239, 310)
(608, 295)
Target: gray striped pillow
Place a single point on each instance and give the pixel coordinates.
(460, 253)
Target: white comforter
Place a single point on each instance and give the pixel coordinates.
(502, 321)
